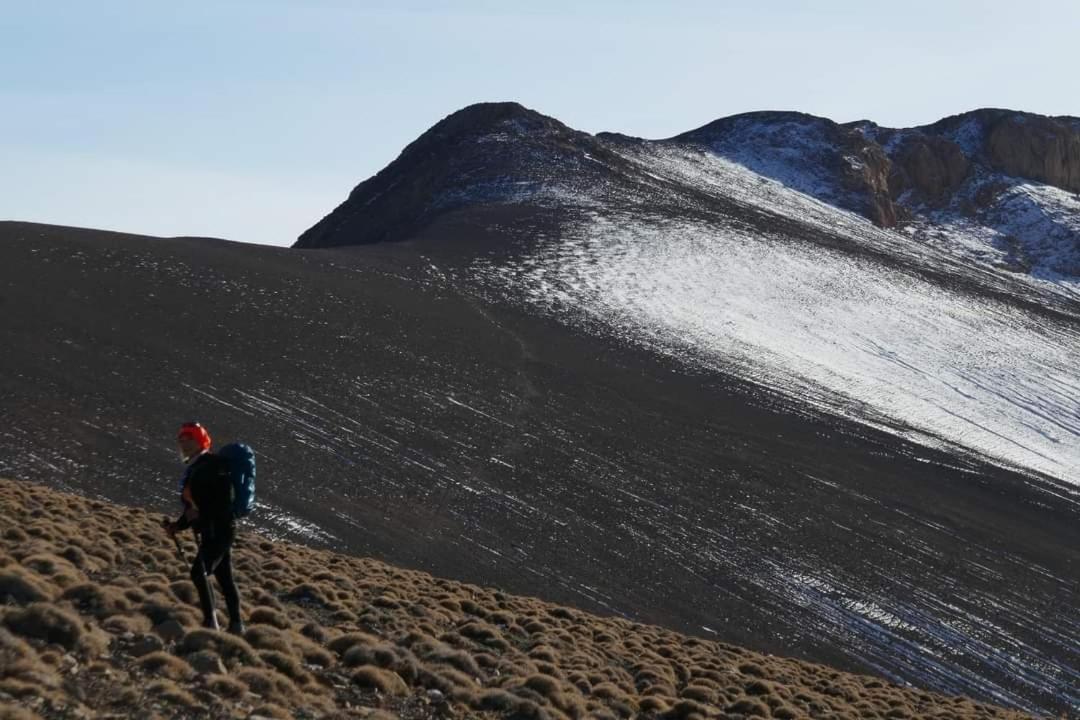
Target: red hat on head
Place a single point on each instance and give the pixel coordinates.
(196, 432)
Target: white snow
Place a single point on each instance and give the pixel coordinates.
(277, 524)
(828, 328)
(791, 152)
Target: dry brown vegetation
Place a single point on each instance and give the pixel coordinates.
(97, 620)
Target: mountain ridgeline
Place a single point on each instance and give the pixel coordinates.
(962, 170)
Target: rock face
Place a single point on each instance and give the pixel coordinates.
(870, 178)
(1037, 148)
(933, 166)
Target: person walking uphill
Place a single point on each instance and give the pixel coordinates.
(207, 494)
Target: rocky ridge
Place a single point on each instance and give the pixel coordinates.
(996, 186)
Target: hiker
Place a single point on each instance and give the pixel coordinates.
(206, 492)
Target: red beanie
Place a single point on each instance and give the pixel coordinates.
(197, 432)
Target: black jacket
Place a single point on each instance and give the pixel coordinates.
(208, 486)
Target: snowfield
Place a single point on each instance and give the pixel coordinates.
(839, 330)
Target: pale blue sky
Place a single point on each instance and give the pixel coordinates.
(250, 119)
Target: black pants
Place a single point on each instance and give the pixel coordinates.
(215, 558)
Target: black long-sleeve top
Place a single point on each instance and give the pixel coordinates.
(208, 486)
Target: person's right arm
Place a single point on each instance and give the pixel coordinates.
(190, 513)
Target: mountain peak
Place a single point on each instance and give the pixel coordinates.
(487, 114)
(495, 120)
(484, 153)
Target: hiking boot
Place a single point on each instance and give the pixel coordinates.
(236, 627)
(211, 624)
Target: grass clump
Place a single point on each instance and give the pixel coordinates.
(51, 566)
(165, 665)
(268, 637)
(450, 682)
(752, 669)
(381, 680)
(225, 687)
(161, 611)
(307, 593)
(120, 624)
(229, 647)
(46, 622)
(439, 653)
(21, 668)
(271, 685)
(750, 707)
(99, 601)
(184, 591)
(169, 692)
(342, 643)
(21, 586)
(287, 665)
(263, 615)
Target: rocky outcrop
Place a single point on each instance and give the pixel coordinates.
(1037, 148)
(934, 167)
(839, 164)
(870, 178)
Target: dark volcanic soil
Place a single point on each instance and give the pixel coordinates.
(397, 414)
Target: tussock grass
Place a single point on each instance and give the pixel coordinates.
(169, 692)
(379, 679)
(21, 586)
(288, 665)
(224, 686)
(269, 684)
(184, 591)
(83, 582)
(269, 616)
(162, 609)
(119, 625)
(52, 624)
(98, 600)
(165, 665)
(453, 683)
(228, 647)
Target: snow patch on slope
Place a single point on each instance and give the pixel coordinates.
(827, 327)
(1029, 228)
(796, 152)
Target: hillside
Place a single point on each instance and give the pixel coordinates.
(925, 278)
(405, 410)
(98, 621)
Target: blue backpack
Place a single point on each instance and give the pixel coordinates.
(242, 473)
